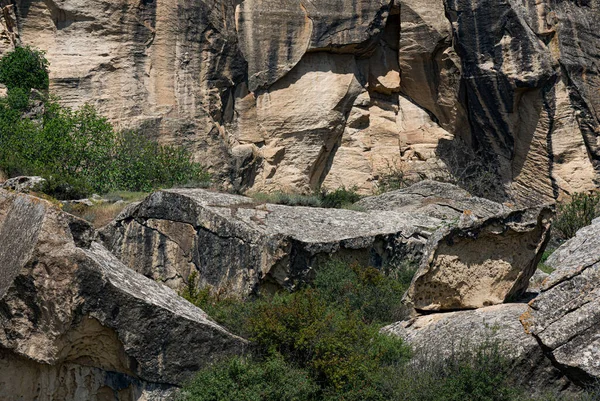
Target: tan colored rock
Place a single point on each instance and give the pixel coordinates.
(485, 262)
(305, 114)
(75, 323)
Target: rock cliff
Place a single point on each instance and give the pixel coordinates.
(295, 94)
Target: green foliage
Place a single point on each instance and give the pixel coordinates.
(250, 379)
(79, 152)
(378, 298)
(576, 214)
(542, 265)
(482, 374)
(25, 68)
(323, 343)
(340, 198)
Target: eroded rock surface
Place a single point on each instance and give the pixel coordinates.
(239, 245)
(484, 263)
(294, 95)
(565, 317)
(75, 323)
(444, 335)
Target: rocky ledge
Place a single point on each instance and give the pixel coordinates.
(75, 323)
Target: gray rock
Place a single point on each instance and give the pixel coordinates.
(239, 245)
(444, 335)
(437, 199)
(485, 263)
(75, 323)
(565, 317)
(23, 183)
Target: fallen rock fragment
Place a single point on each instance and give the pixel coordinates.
(75, 323)
(565, 317)
(486, 263)
(239, 245)
(23, 183)
(446, 335)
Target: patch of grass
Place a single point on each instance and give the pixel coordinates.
(575, 214)
(542, 265)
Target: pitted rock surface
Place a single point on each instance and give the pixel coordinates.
(75, 323)
(565, 317)
(481, 264)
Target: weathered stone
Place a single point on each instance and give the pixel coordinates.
(483, 263)
(293, 27)
(437, 199)
(165, 67)
(445, 335)
(565, 317)
(23, 183)
(75, 323)
(238, 245)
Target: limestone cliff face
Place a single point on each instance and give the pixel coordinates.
(295, 94)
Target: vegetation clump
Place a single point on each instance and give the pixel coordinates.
(78, 152)
(341, 198)
(575, 214)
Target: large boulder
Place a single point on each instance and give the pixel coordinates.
(75, 323)
(484, 263)
(565, 317)
(237, 244)
(447, 335)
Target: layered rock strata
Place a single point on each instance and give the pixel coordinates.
(294, 95)
(239, 245)
(75, 323)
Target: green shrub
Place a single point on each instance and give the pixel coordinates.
(24, 68)
(249, 379)
(378, 298)
(576, 214)
(339, 198)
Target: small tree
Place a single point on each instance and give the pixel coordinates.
(24, 68)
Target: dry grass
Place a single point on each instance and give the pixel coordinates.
(99, 214)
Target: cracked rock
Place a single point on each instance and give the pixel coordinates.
(75, 323)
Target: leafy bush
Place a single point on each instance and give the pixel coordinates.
(78, 151)
(576, 214)
(324, 341)
(340, 198)
(24, 68)
(248, 379)
(376, 297)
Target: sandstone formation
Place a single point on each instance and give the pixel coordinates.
(75, 323)
(294, 95)
(565, 317)
(444, 335)
(437, 199)
(485, 263)
(238, 245)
